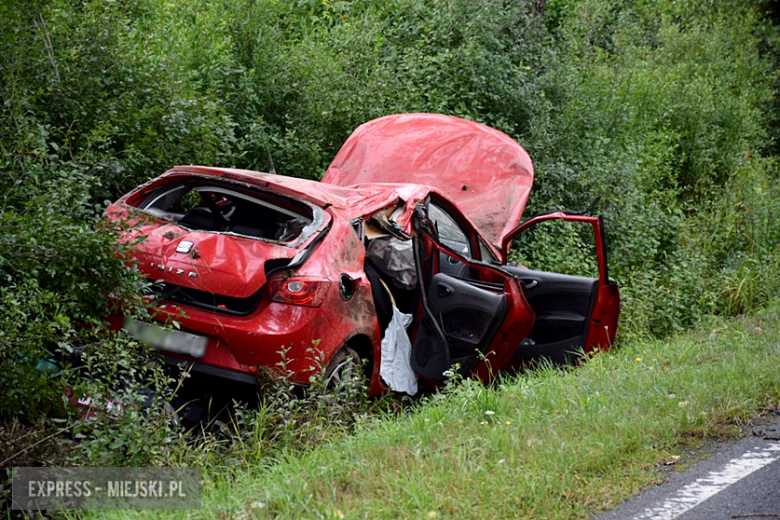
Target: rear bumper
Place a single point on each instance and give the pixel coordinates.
(276, 334)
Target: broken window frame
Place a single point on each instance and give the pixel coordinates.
(146, 196)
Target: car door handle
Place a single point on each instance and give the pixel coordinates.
(530, 284)
(443, 290)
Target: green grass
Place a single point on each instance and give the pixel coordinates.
(548, 444)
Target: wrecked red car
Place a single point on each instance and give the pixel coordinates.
(396, 259)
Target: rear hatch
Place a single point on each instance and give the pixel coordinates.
(212, 243)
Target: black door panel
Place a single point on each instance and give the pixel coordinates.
(469, 314)
(573, 313)
(563, 305)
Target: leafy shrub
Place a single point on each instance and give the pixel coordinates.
(294, 417)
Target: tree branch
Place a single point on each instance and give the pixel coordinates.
(47, 44)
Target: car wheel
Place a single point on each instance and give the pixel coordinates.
(344, 366)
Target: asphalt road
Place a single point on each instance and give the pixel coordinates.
(741, 481)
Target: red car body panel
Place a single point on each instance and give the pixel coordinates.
(224, 264)
(244, 343)
(479, 174)
(483, 171)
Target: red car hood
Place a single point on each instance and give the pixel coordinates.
(485, 172)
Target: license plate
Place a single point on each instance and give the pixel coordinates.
(160, 338)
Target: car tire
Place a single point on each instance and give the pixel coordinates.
(344, 365)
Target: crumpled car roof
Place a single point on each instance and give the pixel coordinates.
(349, 202)
(483, 171)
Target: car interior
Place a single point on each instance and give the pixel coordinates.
(208, 207)
(469, 311)
(563, 305)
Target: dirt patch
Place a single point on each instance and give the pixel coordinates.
(25, 445)
(765, 425)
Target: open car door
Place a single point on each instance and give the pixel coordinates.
(473, 314)
(573, 313)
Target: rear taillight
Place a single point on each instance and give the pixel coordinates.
(300, 290)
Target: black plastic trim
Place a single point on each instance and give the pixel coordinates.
(604, 248)
(223, 373)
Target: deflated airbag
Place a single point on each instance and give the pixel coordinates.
(395, 367)
(395, 258)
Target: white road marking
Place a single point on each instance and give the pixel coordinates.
(695, 493)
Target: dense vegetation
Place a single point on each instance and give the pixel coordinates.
(549, 445)
(666, 108)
